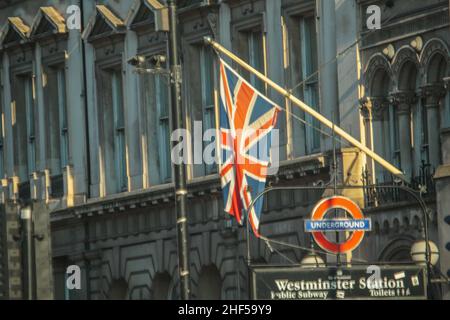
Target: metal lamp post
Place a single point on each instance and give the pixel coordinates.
(166, 21)
(179, 169)
(26, 217)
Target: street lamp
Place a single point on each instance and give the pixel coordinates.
(419, 253)
(166, 20)
(312, 260)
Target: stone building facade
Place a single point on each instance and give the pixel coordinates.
(85, 139)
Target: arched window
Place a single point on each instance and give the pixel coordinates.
(433, 94)
(381, 133)
(209, 284)
(406, 116)
(161, 286)
(118, 290)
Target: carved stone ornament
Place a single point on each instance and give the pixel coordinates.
(432, 94)
(403, 100)
(374, 107)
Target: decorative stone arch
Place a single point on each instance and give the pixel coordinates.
(406, 66)
(417, 222)
(118, 289)
(162, 286)
(397, 250)
(378, 70)
(435, 61)
(396, 225)
(386, 227)
(376, 228)
(209, 283)
(405, 223)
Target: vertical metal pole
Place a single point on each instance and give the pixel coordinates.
(88, 150)
(179, 169)
(427, 250)
(26, 216)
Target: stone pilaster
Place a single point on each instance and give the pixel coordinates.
(13, 253)
(445, 132)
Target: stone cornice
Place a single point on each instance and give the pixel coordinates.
(309, 166)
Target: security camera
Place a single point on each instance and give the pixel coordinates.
(137, 61)
(158, 60)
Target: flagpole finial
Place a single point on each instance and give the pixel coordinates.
(207, 40)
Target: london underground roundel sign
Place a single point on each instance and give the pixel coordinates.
(318, 225)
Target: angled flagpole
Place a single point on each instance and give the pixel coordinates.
(340, 132)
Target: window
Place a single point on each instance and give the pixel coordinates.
(208, 103)
(56, 118)
(64, 131)
(303, 63)
(119, 129)
(381, 133)
(395, 136)
(250, 45)
(383, 139)
(163, 116)
(310, 80)
(29, 111)
(112, 129)
(156, 110)
(256, 57)
(424, 149)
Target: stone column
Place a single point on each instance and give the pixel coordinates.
(378, 137)
(403, 102)
(433, 95)
(366, 113)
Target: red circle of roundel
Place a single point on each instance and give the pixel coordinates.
(337, 202)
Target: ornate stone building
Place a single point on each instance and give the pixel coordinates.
(85, 139)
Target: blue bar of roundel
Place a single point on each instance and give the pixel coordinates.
(338, 225)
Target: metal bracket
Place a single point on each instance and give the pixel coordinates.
(151, 71)
(176, 74)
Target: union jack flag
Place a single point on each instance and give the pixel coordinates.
(246, 122)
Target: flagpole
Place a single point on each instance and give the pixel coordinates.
(340, 132)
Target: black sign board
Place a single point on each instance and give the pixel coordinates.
(353, 283)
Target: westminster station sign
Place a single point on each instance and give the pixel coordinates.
(355, 283)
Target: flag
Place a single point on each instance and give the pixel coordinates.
(246, 121)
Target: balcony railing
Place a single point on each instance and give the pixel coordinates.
(377, 194)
